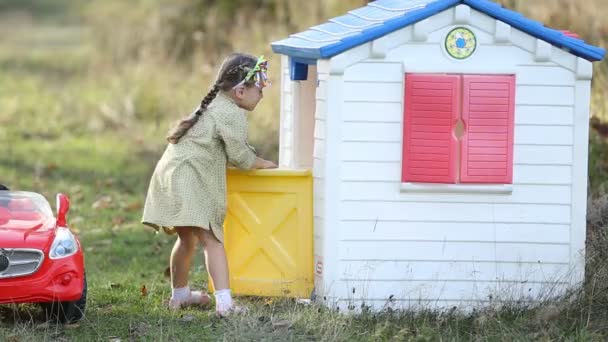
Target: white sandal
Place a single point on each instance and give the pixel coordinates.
(196, 298)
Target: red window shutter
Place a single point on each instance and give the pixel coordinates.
(429, 146)
(487, 146)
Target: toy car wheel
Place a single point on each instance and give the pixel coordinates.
(68, 312)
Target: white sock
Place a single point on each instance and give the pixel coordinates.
(223, 300)
(180, 294)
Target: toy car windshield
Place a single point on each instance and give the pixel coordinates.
(23, 206)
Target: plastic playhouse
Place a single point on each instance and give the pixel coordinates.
(444, 145)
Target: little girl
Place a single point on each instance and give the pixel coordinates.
(187, 192)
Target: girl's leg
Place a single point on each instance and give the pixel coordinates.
(181, 256)
(217, 265)
(215, 259)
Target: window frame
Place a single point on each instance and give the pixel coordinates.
(459, 186)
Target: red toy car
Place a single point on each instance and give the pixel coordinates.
(41, 261)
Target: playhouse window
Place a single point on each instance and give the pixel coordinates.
(458, 129)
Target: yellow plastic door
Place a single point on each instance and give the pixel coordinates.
(268, 233)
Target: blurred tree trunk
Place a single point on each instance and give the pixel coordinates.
(320, 12)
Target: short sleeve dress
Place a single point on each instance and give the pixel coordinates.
(188, 186)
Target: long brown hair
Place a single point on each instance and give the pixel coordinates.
(233, 70)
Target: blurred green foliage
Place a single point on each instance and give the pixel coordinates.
(45, 10)
(134, 67)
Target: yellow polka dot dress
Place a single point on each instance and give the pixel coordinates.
(188, 186)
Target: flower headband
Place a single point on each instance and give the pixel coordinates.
(258, 73)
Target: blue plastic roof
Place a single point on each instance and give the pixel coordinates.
(384, 16)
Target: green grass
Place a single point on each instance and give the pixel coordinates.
(90, 123)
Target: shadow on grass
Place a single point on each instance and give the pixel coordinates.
(22, 314)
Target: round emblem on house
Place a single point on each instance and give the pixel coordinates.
(460, 43)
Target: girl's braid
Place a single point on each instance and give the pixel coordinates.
(208, 99)
(237, 72)
(228, 79)
(217, 87)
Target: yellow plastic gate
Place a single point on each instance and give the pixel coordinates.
(268, 232)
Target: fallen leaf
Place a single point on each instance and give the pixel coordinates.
(143, 327)
(281, 323)
(134, 206)
(186, 318)
(115, 285)
(268, 302)
(118, 220)
(44, 325)
(77, 219)
(106, 308)
(106, 242)
(139, 330)
(102, 203)
(548, 313)
(72, 325)
(77, 197)
(113, 339)
(143, 291)
(75, 190)
(303, 301)
(56, 334)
